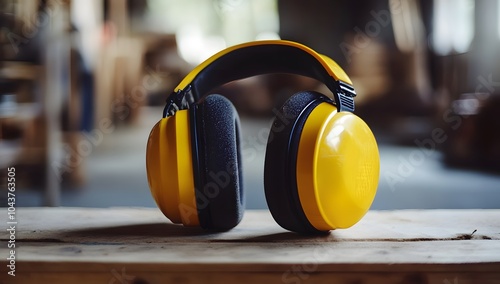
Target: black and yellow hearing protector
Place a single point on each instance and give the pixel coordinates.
(321, 165)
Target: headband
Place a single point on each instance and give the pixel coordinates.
(261, 57)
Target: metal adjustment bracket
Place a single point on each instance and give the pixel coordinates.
(345, 95)
(178, 101)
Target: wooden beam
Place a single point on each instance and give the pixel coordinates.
(61, 245)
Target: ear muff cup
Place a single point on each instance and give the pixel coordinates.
(322, 166)
(217, 163)
(280, 162)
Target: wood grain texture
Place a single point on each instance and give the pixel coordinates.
(139, 245)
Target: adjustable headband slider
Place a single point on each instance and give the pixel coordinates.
(345, 97)
(347, 89)
(178, 100)
(346, 102)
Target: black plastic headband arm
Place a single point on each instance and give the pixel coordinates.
(255, 60)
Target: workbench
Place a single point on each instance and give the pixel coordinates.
(139, 245)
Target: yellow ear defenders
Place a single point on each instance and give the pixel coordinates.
(321, 164)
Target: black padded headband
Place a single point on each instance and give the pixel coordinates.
(257, 58)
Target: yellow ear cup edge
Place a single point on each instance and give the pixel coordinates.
(170, 169)
(337, 168)
(306, 166)
(185, 176)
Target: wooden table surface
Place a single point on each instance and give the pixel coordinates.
(139, 245)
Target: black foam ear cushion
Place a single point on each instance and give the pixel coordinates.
(217, 163)
(281, 160)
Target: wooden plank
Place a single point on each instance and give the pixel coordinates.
(125, 225)
(123, 275)
(130, 245)
(267, 256)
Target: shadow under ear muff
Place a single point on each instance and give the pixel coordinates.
(322, 162)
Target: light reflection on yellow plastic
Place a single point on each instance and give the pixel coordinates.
(330, 66)
(338, 168)
(170, 170)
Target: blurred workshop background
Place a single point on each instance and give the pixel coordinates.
(83, 81)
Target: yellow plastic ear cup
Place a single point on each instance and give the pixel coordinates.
(338, 168)
(169, 168)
